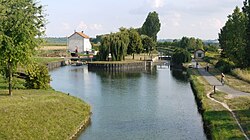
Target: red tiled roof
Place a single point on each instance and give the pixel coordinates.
(81, 34)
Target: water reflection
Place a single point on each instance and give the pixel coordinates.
(149, 105)
(179, 75)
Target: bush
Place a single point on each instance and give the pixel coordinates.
(181, 56)
(225, 65)
(38, 77)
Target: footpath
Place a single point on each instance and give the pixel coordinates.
(213, 81)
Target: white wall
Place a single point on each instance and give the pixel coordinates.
(87, 45)
(77, 41)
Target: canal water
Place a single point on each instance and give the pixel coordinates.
(156, 105)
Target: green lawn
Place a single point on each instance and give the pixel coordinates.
(39, 114)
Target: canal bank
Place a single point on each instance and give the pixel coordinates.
(218, 121)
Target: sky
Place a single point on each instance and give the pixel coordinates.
(192, 18)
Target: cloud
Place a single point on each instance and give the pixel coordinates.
(97, 27)
(82, 26)
(65, 26)
(156, 3)
(148, 5)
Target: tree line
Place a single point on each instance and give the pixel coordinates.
(130, 41)
(234, 37)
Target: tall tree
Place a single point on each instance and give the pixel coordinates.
(246, 10)
(21, 24)
(232, 38)
(151, 26)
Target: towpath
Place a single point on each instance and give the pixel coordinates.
(213, 81)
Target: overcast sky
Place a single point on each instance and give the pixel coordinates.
(192, 18)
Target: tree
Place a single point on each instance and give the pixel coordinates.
(184, 42)
(37, 76)
(181, 56)
(116, 44)
(151, 26)
(232, 38)
(199, 44)
(21, 24)
(246, 10)
(148, 43)
(135, 43)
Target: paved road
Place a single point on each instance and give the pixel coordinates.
(215, 82)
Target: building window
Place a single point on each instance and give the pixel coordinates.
(199, 55)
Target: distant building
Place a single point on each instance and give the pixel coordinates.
(79, 42)
(199, 54)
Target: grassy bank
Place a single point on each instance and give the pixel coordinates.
(218, 122)
(46, 60)
(40, 114)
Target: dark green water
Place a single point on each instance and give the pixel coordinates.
(150, 106)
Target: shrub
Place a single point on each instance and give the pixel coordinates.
(38, 77)
(181, 56)
(225, 65)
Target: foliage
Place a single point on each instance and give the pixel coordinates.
(168, 44)
(191, 44)
(232, 38)
(40, 114)
(181, 56)
(135, 42)
(246, 10)
(225, 65)
(151, 26)
(21, 23)
(148, 43)
(116, 44)
(37, 77)
(211, 48)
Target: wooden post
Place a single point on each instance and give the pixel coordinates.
(214, 88)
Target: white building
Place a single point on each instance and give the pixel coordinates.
(199, 54)
(80, 42)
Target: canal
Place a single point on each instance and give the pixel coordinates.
(156, 105)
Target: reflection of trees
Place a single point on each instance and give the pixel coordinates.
(179, 75)
(118, 75)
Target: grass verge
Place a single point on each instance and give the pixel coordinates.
(218, 122)
(46, 60)
(240, 106)
(40, 114)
